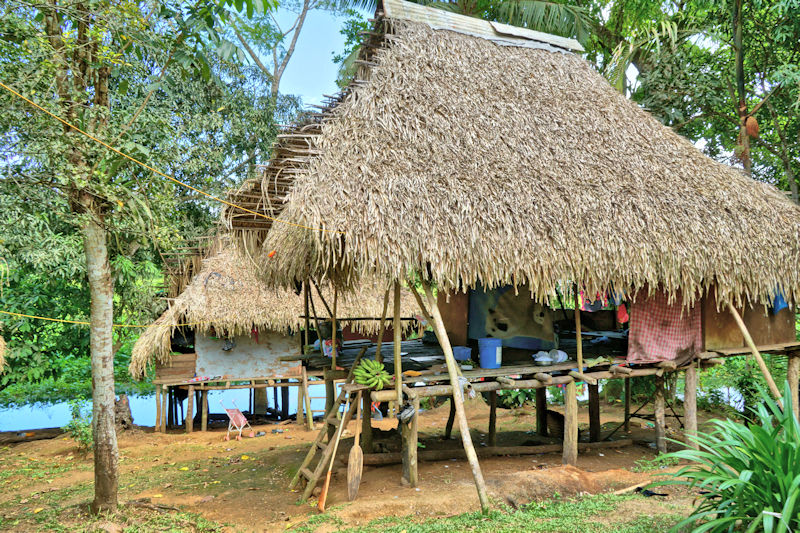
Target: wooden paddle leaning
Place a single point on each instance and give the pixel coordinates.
(355, 463)
(324, 494)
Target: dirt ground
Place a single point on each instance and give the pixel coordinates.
(243, 484)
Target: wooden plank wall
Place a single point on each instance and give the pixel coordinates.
(455, 315)
(180, 367)
(720, 330)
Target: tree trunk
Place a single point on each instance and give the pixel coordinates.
(106, 454)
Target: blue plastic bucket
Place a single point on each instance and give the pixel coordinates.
(490, 350)
(462, 353)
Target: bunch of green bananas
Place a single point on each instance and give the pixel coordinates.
(372, 374)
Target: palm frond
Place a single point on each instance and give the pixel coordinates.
(549, 17)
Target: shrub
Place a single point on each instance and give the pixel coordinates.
(80, 426)
(749, 475)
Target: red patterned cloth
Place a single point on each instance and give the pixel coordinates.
(663, 332)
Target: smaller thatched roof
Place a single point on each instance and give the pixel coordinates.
(2, 355)
(228, 296)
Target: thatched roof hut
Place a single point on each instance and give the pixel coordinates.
(227, 296)
(505, 159)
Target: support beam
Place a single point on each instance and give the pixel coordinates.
(569, 454)
(661, 426)
(307, 400)
(458, 399)
(760, 360)
(541, 412)
(398, 361)
(330, 395)
(594, 413)
(410, 440)
(627, 424)
(204, 410)
(793, 377)
(690, 405)
(493, 418)
(157, 427)
(190, 410)
(334, 327)
(299, 416)
(578, 336)
(164, 398)
(382, 328)
(366, 423)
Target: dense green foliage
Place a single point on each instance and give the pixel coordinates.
(749, 474)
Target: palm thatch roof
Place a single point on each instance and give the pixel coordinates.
(227, 296)
(485, 161)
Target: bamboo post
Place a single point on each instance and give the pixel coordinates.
(492, 418)
(299, 417)
(382, 327)
(307, 399)
(189, 410)
(307, 319)
(570, 451)
(541, 412)
(690, 405)
(164, 398)
(661, 428)
(594, 413)
(204, 410)
(578, 336)
(334, 328)
(793, 377)
(452, 369)
(627, 423)
(398, 358)
(157, 427)
(410, 439)
(760, 360)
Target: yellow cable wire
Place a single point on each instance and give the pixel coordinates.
(87, 323)
(148, 167)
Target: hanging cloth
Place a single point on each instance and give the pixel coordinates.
(660, 331)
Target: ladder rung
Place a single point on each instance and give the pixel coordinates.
(322, 446)
(308, 474)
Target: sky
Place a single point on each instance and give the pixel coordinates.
(311, 71)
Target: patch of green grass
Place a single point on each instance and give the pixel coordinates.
(314, 521)
(656, 463)
(552, 516)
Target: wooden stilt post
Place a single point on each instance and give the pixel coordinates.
(492, 418)
(410, 439)
(690, 405)
(366, 423)
(398, 358)
(382, 327)
(334, 327)
(541, 412)
(299, 417)
(452, 369)
(157, 427)
(451, 418)
(307, 400)
(627, 423)
(760, 360)
(171, 408)
(570, 451)
(661, 428)
(578, 336)
(204, 410)
(164, 395)
(308, 318)
(330, 395)
(594, 413)
(793, 377)
(190, 410)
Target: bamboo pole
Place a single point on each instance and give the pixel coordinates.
(398, 358)
(760, 360)
(382, 328)
(307, 319)
(334, 327)
(690, 405)
(578, 336)
(452, 369)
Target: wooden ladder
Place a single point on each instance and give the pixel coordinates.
(323, 445)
